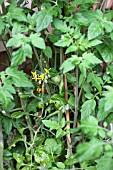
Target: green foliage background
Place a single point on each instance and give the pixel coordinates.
(56, 94)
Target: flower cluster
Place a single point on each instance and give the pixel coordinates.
(40, 77)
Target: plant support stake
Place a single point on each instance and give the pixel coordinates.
(1, 146)
(76, 99)
(67, 112)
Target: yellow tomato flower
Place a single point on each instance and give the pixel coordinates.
(39, 90)
(46, 70)
(34, 75)
(41, 77)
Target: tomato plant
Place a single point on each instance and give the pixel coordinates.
(56, 94)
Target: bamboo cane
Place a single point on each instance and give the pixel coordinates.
(1, 147)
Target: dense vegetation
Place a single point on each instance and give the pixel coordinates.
(56, 89)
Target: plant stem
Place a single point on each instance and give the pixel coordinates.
(29, 123)
(38, 59)
(76, 99)
(80, 93)
(1, 146)
(103, 5)
(61, 56)
(17, 109)
(9, 56)
(111, 129)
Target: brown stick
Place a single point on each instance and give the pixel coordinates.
(95, 6)
(67, 112)
(76, 99)
(1, 146)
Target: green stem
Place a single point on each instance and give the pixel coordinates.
(52, 114)
(29, 123)
(38, 59)
(17, 109)
(9, 56)
(1, 146)
(103, 5)
(111, 129)
(61, 56)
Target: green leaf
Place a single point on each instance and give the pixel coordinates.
(77, 34)
(14, 141)
(71, 160)
(88, 108)
(70, 63)
(94, 30)
(108, 26)
(96, 81)
(91, 16)
(17, 114)
(106, 51)
(59, 132)
(7, 153)
(41, 157)
(108, 105)
(94, 42)
(16, 41)
(81, 20)
(18, 28)
(37, 41)
(111, 35)
(72, 48)
(80, 2)
(89, 150)
(87, 88)
(62, 122)
(6, 96)
(71, 101)
(60, 165)
(89, 126)
(91, 168)
(17, 13)
(60, 25)
(19, 78)
(108, 15)
(70, 78)
(89, 60)
(65, 41)
(51, 124)
(82, 69)
(32, 20)
(32, 106)
(2, 25)
(48, 52)
(58, 98)
(102, 114)
(110, 69)
(1, 1)
(7, 124)
(20, 55)
(102, 133)
(19, 158)
(105, 162)
(44, 18)
(51, 146)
